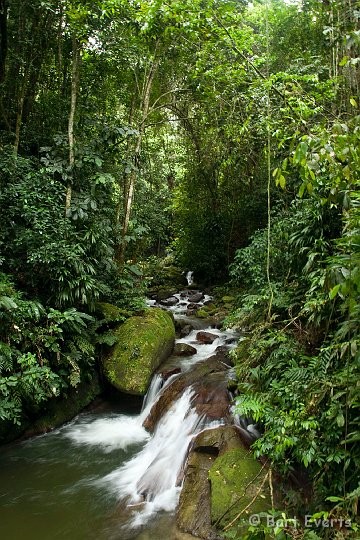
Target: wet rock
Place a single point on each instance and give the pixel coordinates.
(172, 301)
(170, 372)
(195, 298)
(186, 330)
(206, 337)
(194, 510)
(162, 293)
(180, 323)
(209, 382)
(184, 349)
(222, 349)
(193, 306)
(212, 399)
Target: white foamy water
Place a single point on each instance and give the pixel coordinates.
(117, 431)
(149, 481)
(151, 395)
(189, 277)
(205, 350)
(112, 433)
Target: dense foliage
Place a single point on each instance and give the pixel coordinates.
(225, 132)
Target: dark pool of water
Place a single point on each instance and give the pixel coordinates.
(49, 490)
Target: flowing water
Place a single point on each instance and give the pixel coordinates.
(103, 476)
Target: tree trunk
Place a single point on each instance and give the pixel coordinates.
(3, 38)
(145, 106)
(74, 91)
(20, 108)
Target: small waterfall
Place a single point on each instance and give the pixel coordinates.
(149, 481)
(116, 431)
(154, 388)
(189, 278)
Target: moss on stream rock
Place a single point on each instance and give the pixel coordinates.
(237, 483)
(143, 343)
(110, 313)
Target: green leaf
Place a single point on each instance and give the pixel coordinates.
(334, 291)
(353, 102)
(334, 499)
(301, 190)
(282, 181)
(7, 303)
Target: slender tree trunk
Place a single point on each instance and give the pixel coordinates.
(123, 186)
(74, 91)
(3, 38)
(145, 106)
(20, 108)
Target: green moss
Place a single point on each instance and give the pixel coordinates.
(236, 477)
(228, 299)
(202, 313)
(111, 313)
(143, 343)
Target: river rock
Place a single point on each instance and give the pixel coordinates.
(209, 383)
(206, 337)
(195, 298)
(238, 482)
(143, 343)
(193, 307)
(194, 509)
(172, 301)
(186, 330)
(184, 349)
(170, 372)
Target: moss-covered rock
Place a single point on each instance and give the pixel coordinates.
(228, 299)
(236, 479)
(111, 313)
(143, 343)
(194, 509)
(202, 313)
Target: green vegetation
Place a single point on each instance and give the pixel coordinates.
(142, 344)
(226, 133)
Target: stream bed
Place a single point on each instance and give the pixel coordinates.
(103, 476)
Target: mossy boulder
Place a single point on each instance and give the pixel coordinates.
(111, 313)
(228, 299)
(143, 343)
(194, 509)
(202, 313)
(237, 483)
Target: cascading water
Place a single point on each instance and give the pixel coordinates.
(149, 481)
(112, 461)
(189, 278)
